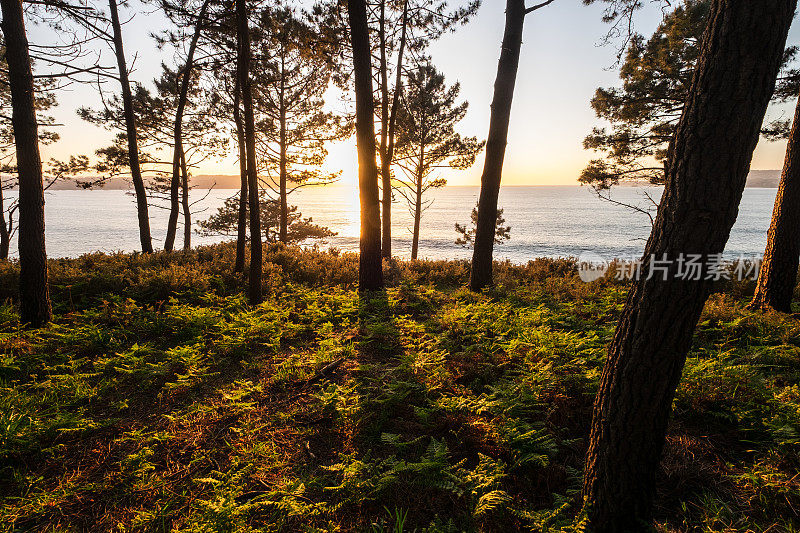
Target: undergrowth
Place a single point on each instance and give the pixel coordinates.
(159, 400)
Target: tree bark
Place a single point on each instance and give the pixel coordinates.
(418, 192)
(777, 277)
(130, 129)
(388, 156)
(35, 308)
(709, 161)
(5, 234)
(241, 229)
(185, 78)
(283, 231)
(370, 271)
(417, 220)
(243, 71)
(481, 275)
(385, 171)
(187, 213)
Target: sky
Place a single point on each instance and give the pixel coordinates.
(563, 61)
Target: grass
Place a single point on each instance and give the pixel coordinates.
(158, 400)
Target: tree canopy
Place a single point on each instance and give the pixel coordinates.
(224, 222)
(642, 113)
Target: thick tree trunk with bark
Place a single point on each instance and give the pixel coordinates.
(241, 227)
(35, 309)
(187, 213)
(778, 275)
(130, 130)
(481, 275)
(185, 78)
(243, 71)
(370, 271)
(710, 158)
(5, 233)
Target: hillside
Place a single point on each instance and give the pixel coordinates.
(756, 179)
(766, 179)
(217, 181)
(159, 400)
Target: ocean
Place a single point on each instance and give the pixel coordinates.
(545, 221)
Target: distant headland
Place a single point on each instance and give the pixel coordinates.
(764, 179)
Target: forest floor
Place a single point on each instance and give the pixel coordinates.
(159, 400)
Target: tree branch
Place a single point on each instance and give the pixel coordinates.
(538, 6)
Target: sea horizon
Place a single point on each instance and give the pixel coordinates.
(545, 220)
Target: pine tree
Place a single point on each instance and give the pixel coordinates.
(370, 271)
(35, 307)
(712, 149)
(45, 99)
(130, 132)
(427, 139)
(481, 272)
(403, 29)
(644, 111)
(243, 58)
(291, 76)
(226, 220)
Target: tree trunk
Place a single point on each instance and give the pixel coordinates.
(778, 275)
(383, 151)
(709, 161)
(174, 202)
(370, 271)
(386, 162)
(185, 78)
(481, 275)
(243, 68)
(418, 192)
(35, 309)
(187, 213)
(5, 234)
(417, 219)
(241, 229)
(283, 231)
(130, 130)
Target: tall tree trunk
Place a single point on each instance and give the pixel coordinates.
(418, 192)
(417, 219)
(243, 67)
(385, 171)
(387, 156)
(481, 275)
(130, 130)
(241, 228)
(35, 309)
(778, 275)
(5, 233)
(370, 271)
(174, 203)
(184, 78)
(187, 213)
(709, 161)
(283, 231)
